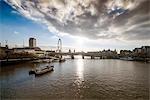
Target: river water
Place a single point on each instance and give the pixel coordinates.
(77, 79)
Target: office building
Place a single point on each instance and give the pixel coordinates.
(32, 42)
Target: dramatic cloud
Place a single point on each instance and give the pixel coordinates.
(95, 19)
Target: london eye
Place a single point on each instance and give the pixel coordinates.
(59, 45)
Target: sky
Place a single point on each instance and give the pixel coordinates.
(81, 24)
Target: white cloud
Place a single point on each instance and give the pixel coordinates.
(14, 12)
(15, 32)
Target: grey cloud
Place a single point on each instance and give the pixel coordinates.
(138, 36)
(90, 18)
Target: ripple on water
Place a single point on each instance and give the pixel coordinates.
(96, 79)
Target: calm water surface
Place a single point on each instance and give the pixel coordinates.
(78, 79)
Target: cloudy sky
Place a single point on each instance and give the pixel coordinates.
(81, 24)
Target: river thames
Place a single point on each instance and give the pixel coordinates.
(77, 79)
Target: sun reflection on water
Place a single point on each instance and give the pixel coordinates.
(79, 73)
(80, 69)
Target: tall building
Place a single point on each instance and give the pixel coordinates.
(32, 42)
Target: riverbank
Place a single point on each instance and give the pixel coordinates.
(15, 61)
(22, 60)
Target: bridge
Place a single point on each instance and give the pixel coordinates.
(83, 54)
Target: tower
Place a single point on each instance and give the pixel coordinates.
(32, 42)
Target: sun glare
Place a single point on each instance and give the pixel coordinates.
(80, 42)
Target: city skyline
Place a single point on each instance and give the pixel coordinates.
(18, 23)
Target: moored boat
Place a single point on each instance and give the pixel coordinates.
(62, 60)
(127, 58)
(46, 61)
(41, 70)
(37, 61)
(55, 60)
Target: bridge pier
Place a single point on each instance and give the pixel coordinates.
(82, 57)
(72, 56)
(92, 57)
(100, 57)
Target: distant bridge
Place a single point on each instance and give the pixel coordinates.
(83, 54)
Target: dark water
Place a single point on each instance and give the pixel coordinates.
(78, 79)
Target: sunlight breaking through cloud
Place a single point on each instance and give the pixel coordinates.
(94, 19)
